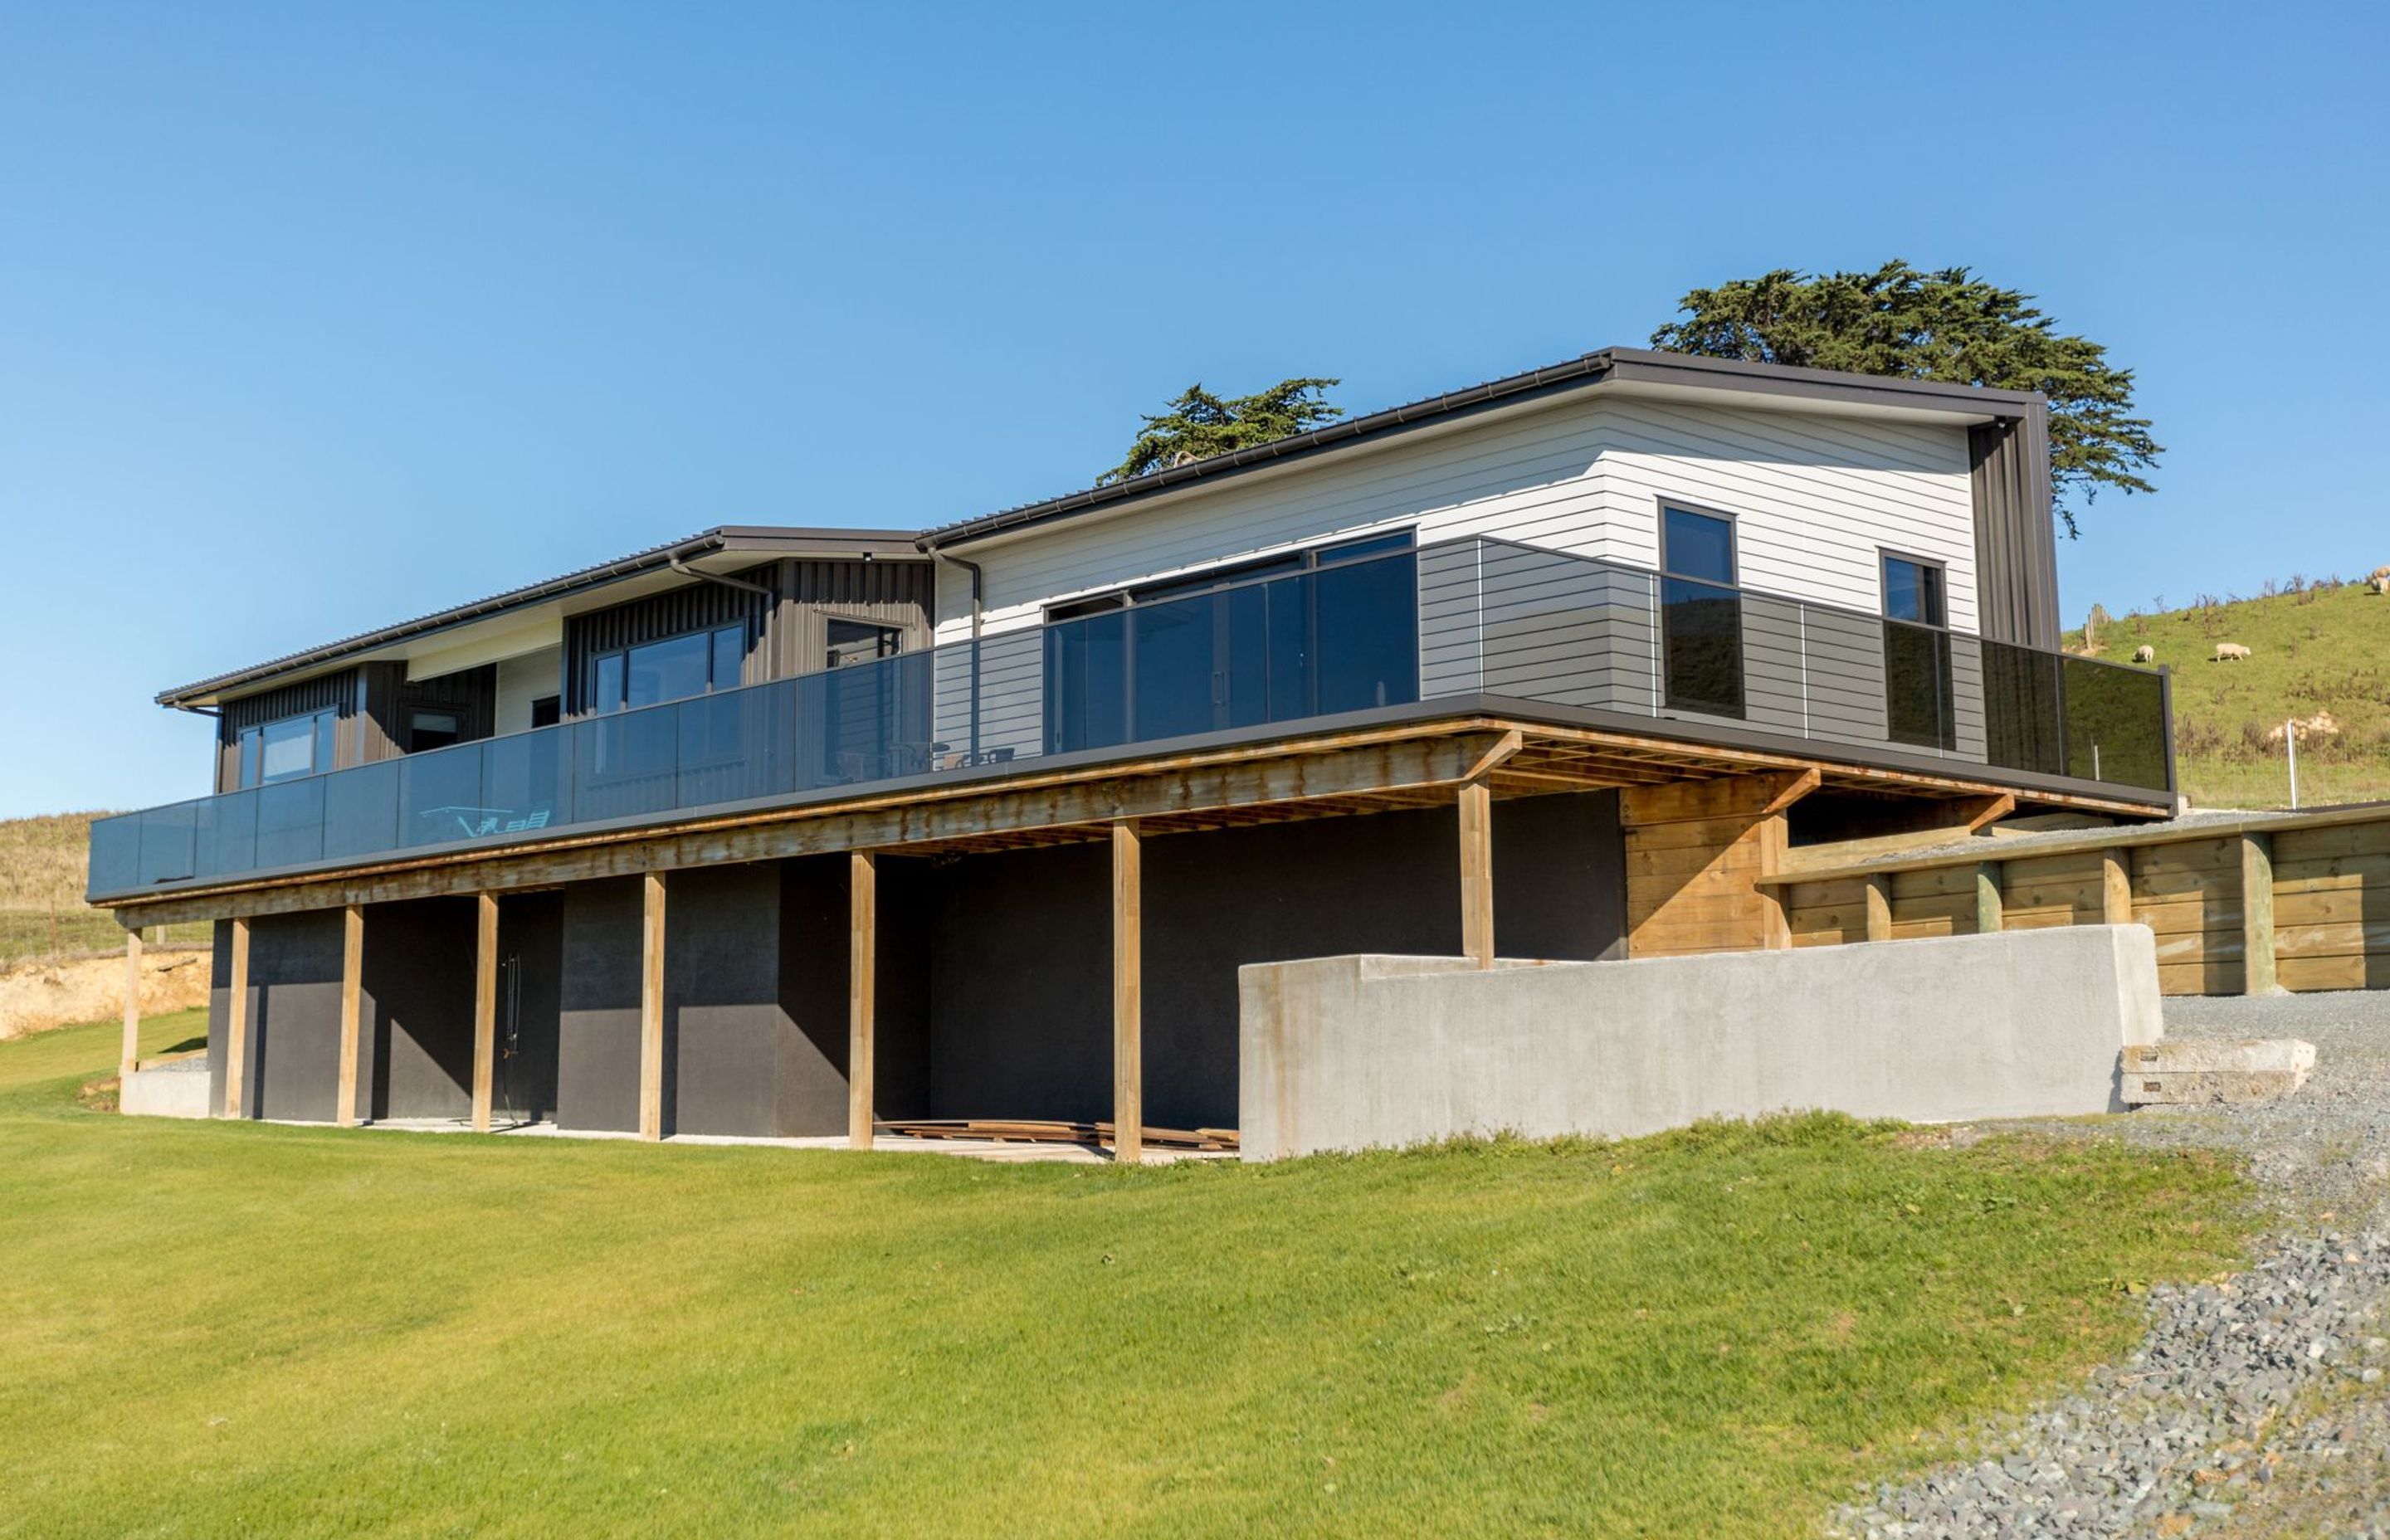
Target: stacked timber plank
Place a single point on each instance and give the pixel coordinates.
(2240, 903)
(1695, 851)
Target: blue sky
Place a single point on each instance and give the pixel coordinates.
(319, 318)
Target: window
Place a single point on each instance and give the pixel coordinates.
(547, 711)
(1917, 696)
(286, 750)
(853, 642)
(1700, 614)
(1698, 545)
(672, 669)
(1308, 632)
(1913, 590)
(430, 729)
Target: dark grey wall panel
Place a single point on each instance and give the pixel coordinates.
(294, 972)
(598, 1041)
(416, 1051)
(294, 1016)
(1023, 1021)
(2016, 535)
(531, 976)
(1021, 982)
(723, 1022)
(901, 593)
(811, 1059)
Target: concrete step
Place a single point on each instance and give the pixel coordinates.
(2207, 1072)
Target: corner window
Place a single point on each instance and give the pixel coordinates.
(286, 750)
(673, 669)
(430, 729)
(853, 642)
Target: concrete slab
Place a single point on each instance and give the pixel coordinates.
(2209, 1072)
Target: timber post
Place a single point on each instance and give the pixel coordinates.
(130, 1060)
(1128, 992)
(352, 959)
(485, 1006)
(651, 1004)
(862, 992)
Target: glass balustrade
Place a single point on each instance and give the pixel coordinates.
(1477, 617)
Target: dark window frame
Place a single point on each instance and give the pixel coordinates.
(1682, 651)
(1664, 504)
(594, 706)
(1211, 580)
(1886, 557)
(323, 748)
(889, 637)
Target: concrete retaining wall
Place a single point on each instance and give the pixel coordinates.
(1347, 1053)
(178, 1090)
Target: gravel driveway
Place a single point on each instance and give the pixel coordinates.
(2256, 1406)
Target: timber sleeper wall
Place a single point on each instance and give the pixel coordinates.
(2320, 919)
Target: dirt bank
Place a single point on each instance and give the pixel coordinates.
(37, 997)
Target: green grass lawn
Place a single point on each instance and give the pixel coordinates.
(212, 1329)
(2318, 649)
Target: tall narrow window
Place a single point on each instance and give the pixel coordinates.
(1917, 696)
(1701, 614)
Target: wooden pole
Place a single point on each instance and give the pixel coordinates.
(130, 1060)
(2258, 973)
(353, 965)
(1879, 907)
(1989, 906)
(862, 990)
(651, 1007)
(237, 1024)
(1128, 992)
(1775, 923)
(485, 1006)
(1477, 873)
(2115, 888)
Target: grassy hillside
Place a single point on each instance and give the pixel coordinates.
(42, 912)
(218, 1329)
(2319, 647)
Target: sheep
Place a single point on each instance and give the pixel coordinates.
(2379, 574)
(2145, 655)
(2231, 652)
(2381, 584)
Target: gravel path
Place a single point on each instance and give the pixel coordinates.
(2256, 1406)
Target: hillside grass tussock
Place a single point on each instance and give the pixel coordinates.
(2318, 656)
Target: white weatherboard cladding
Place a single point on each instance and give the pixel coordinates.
(1817, 498)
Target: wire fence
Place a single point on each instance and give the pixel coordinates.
(64, 934)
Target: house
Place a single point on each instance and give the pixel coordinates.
(785, 831)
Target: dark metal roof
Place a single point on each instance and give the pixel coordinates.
(763, 542)
(1620, 365)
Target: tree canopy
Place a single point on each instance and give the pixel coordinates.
(1200, 425)
(1947, 325)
